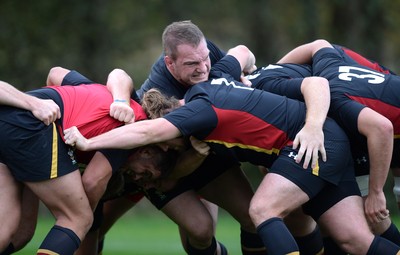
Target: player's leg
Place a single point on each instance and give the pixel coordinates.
(269, 206)
(306, 232)
(213, 210)
(233, 192)
(10, 211)
(190, 214)
(303, 228)
(66, 199)
(27, 224)
(346, 223)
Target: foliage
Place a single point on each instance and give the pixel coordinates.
(96, 36)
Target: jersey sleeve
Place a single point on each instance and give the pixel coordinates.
(278, 80)
(195, 118)
(116, 158)
(75, 78)
(215, 53)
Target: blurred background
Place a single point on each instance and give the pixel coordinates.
(96, 36)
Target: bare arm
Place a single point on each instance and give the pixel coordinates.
(245, 57)
(43, 109)
(120, 84)
(316, 95)
(379, 133)
(125, 137)
(190, 159)
(303, 54)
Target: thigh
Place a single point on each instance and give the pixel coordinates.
(272, 196)
(189, 213)
(66, 199)
(10, 200)
(346, 222)
(233, 192)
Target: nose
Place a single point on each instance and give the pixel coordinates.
(203, 67)
(137, 177)
(163, 146)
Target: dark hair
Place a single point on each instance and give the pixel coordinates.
(165, 161)
(180, 32)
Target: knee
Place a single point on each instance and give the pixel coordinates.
(258, 212)
(200, 234)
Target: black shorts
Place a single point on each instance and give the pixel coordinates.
(338, 169)
(34, 151)
(211, 168)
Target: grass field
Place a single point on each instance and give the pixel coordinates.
(148, 234)
(145, 232)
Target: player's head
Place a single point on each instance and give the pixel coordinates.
(156, 105)
(186, 53)
(149, 163)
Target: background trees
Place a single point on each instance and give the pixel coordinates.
(95, 36)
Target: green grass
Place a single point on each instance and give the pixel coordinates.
(145, 232)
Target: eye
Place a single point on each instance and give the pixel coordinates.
(147, 175)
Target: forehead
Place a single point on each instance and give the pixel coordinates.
(189, 53)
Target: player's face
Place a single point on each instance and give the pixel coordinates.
(178, 144)
(192, 64)
(142, 172)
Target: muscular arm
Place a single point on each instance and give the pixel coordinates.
(120, 84)
(43, 109)
(316, 95)
(303, 54)
(125, 137)
(245, 57)
(379, 133)
(190, 159)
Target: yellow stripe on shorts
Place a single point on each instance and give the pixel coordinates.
(47, 252)
(54, 153)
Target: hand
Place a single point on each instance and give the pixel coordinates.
(122, 111)
(201, 147)
(375, 207)
(73, 137)
(46, 110)
(245, 81)
(311, 141)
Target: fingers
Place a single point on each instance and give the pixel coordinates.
(122, 112)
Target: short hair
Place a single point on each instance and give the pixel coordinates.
(180, 32)
(163, 161)
(155, 104)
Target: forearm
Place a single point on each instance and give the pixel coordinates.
(13, 97)
(245, 57)
(303, 54)
(126, 137)
(380, 149)
(120, 84)
(379, 133)
(316, 95)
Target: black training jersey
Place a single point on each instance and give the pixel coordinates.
(245, 123)
(161, 79)
(354, 87)
(281, 79)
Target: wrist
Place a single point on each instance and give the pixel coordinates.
(120, 101)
